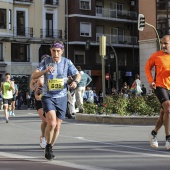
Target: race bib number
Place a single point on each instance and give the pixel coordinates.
(55, 84)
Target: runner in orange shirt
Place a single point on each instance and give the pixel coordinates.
(161, 85)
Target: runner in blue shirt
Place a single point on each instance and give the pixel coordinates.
(55, 69)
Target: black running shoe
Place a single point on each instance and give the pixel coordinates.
(49, 153)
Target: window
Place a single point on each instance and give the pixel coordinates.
(117, 35)
(49, 25)
(1, 52)
(162, 5)
(79, 57)
(20, 53)
(119, 9)
(85, 4)
(85, 29)
(3, 18)
(10, 19)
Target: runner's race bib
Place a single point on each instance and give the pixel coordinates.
(55, 84)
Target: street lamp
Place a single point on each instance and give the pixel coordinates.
(109, 59)
(117, 70)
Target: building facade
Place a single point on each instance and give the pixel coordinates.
(27, 28)
(86, 21)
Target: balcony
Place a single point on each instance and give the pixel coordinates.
(23, 32)
(23, 2)
(51, 3)
(116, 14)
(119, 39)
(51, 33)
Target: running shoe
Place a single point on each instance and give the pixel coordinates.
(43, 142)
(10, 112)
(49, 153)
(167, 144)
(153, 140)
(13, 114)
(6, 121)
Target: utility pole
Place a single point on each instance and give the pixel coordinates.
(102, 53)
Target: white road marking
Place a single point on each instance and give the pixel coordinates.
(53, 162)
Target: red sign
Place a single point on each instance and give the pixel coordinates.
(107, 76)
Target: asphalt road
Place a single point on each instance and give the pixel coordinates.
(85, 146)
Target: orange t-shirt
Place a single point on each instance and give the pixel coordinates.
(161, 62)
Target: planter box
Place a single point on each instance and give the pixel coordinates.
(132, 120)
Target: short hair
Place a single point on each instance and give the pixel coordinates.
(7, 74)
(78, 68)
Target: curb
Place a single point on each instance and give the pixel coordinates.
(132, 120)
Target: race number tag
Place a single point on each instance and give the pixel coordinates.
(55, 84)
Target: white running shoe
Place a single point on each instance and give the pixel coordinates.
(10, 112)
(153, 141)
(43, 142)
(13, 114)
(167, 144)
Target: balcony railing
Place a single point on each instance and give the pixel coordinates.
(119, 39)
(113, 13)
(24, 1)
(23, 31)
(52, 2)
(50, 33)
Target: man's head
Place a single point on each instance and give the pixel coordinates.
(57, 49)
(165, 44)
(78, 68)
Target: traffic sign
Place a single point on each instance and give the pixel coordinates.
(107, 76)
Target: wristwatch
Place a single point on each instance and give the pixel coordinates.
(76, 81)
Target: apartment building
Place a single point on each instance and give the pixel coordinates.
(148, 39)
(27, 28)
(86, 20)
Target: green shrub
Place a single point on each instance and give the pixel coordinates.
(147, 105)
(90, 108)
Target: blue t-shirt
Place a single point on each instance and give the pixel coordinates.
(62, 69)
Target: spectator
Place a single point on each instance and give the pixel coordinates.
(125, 90)
(96, 98)
(90, 96)
(85, 81)
(28, 99)
(20, 100)
(101, 96)
(143, 90)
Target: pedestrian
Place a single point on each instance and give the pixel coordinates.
(28, 100)
(7, 88)
(15, 94)
(95, 97)
(55, 69)
(125, 90)
(161, 83)
(90, 95)
(81, 87)
(20, 99)
(36, 85)
(143, 90)
(137, 85)
(101, 97)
